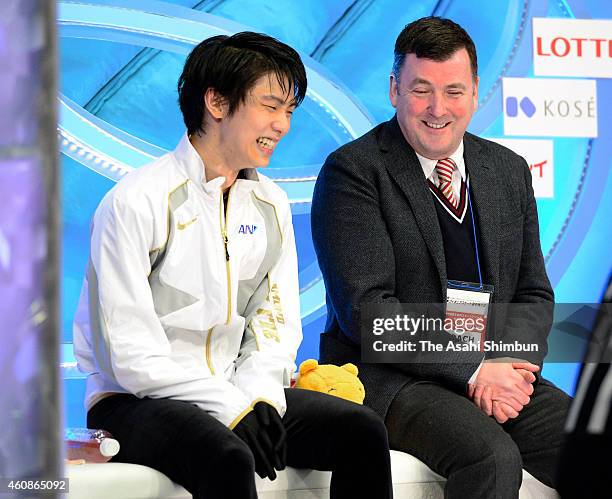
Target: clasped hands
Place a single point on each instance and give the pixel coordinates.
(263, 431)
(503, 388)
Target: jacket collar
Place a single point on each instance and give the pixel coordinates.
(192, 165)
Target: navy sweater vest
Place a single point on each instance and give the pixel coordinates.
(458, 238)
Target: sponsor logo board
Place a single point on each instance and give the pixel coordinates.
(539, 155)
(550, 107)
(572, 47)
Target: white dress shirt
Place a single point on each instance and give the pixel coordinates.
(429, 169)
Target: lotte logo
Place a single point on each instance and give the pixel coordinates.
(561, 46)
(538, 166)
(539, 155)
(572, 47)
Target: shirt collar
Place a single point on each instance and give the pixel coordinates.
(429, 165)
(191, 162)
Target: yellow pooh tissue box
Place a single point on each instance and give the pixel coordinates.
(327, 378)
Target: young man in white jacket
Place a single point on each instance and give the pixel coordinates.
(189, 320)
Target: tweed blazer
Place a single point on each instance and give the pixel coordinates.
(377, 238)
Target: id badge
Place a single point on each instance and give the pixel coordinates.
(467, 312)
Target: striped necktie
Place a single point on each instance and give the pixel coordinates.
(444, 169)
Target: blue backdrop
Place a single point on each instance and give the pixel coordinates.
(120, 61)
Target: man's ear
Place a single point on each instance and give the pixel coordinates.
(393, 89)
(215, 104)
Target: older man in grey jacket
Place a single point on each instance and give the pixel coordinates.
(410, 213)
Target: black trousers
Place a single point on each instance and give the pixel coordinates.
(479, 457)
(200, 453)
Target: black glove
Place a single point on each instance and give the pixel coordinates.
(270, 419)
(251, 432)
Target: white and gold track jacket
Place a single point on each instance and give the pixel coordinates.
(181, 301)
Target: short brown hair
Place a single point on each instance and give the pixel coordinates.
(434, 38)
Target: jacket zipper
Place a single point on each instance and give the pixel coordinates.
(223, 226)
(225, 239)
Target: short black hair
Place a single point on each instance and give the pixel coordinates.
(232, 65)
(434, 38)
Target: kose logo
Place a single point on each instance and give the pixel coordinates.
(569, 108)
(512, 106)
(572, 47)
(550, 107)
(553, 108)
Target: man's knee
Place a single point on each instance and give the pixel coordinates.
(499, 454)
(362, 424)
(228, 456)
(223, 468)
(237, 456)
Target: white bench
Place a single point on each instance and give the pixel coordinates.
(411, 479)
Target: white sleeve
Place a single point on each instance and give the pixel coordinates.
(273, 331)
(128, 341)
(473, 377)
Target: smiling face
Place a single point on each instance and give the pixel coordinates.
(434, 102)
(248, 137)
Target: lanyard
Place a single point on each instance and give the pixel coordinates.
(467, 285)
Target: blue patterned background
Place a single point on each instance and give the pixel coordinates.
(120, 61)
